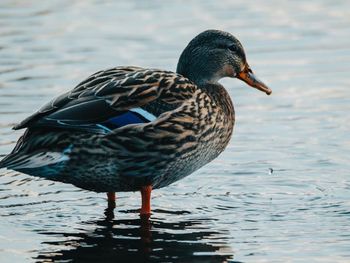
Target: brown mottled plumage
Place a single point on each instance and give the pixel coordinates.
(130, 128)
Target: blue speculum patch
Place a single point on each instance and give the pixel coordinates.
(130, 117)
(125, 119)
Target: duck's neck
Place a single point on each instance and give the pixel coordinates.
(195, 70)
(201, 80)
(206, 78)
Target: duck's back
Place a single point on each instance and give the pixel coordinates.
(109, 94)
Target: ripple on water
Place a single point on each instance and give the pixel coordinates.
(235, 208)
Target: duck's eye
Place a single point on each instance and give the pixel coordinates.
(232, 47)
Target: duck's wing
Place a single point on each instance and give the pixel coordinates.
(115, 92)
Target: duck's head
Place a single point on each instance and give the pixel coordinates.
(213, 55)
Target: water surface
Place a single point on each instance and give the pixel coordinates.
(233, 209)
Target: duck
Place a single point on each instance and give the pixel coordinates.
(130, 128)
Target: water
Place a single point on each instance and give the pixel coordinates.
(234, 209)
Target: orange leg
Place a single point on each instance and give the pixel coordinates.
(111, 199)
(146, 200)
(111, 196)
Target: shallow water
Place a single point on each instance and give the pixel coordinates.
(234, 209)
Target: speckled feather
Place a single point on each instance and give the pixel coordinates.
(193, 126)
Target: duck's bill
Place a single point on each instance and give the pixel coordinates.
(248, 77)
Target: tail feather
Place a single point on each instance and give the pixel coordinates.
(35, 160)
(38, 148)
(42, 164)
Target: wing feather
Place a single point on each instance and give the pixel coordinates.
(111, 92)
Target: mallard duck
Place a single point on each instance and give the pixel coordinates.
(137, 129)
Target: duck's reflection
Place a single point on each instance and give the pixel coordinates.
(137, 240)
